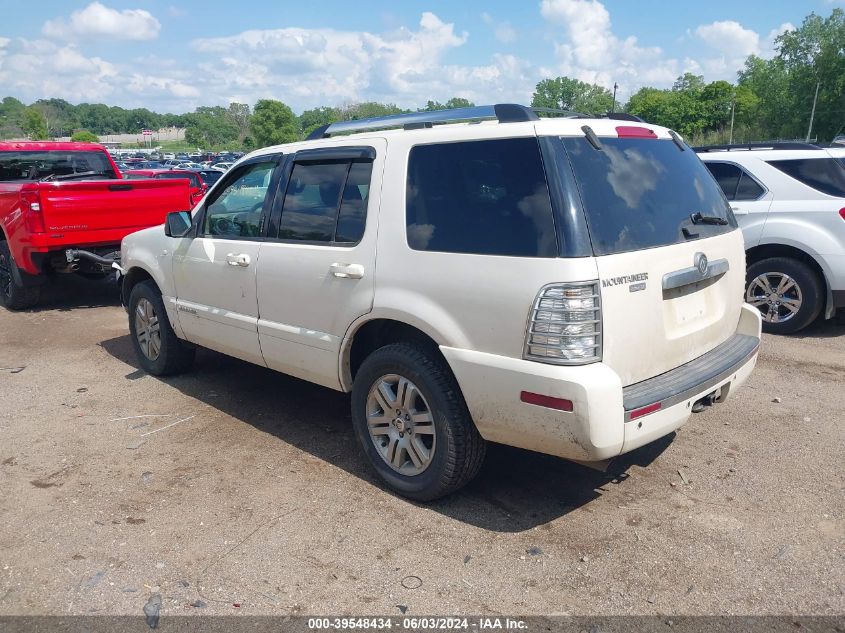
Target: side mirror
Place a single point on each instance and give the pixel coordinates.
(178, 224)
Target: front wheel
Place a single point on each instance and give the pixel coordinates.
(413, 424)
(13, 295)
(159, 350)
(788, 293)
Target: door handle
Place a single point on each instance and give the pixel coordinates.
(237, 259)
(738, 211)
(347, 271)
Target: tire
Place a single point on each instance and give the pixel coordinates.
(159, 350)
(14, 296)
(801, 296)
(437, 420)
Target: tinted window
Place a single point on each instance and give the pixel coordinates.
(311, 202)
(235, 210)
(326, 202)
(727, 176)
(195, 181)
(36, 165)
(748, 189)
(353, 206)
(640, 193)
(826, 175)
(483, 197)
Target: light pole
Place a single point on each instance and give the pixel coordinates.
(615, 86)
(813, 112)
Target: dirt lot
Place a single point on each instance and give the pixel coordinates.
(245, 487)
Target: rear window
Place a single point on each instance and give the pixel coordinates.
(641, 193)
(826, 175)
(35, 165)
(481, 197)
(195, 180)
(735, 182)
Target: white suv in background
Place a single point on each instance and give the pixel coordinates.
(789, 199)
(567, 285)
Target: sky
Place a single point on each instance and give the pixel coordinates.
(174, 56)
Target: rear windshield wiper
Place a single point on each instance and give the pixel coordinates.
(698, 218)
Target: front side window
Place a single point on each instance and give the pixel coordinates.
(326, 202)
(235, 210)
(826, 175)
(480, 197)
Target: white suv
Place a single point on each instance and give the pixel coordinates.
(790, 202)
(567, 285)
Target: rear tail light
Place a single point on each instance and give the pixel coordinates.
(842, 213)
(564, 327)
(31, 207)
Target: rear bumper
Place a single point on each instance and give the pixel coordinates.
(604, 421)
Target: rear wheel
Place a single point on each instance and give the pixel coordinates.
(13, 295)
(413, 423)
(788, 293)
(159, 350)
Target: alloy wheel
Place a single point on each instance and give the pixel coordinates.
(776, 295)
(147, 329)
(401, 424)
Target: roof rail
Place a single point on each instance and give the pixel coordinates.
(623, 116)
(756, 146)
(501, 112)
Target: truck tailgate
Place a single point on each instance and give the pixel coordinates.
(94, 205)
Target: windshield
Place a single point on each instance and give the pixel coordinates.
(195, 181)
(35, 165)
(642, 193)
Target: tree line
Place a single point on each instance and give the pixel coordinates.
(771, 99)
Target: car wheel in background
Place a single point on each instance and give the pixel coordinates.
(12, 295)
(788, 293)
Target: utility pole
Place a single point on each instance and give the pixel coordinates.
(813, 112)
(615, 86)
(733, 107)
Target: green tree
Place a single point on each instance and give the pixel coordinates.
(310, 120)
(84, 136)
(454, 102)
(239, 114)
(273, 123)
(368, 110)
(564, 93)
(211, 127)
(34, 125)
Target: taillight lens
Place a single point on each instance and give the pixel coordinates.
(565, 325)
(842, 213)
(31, 207)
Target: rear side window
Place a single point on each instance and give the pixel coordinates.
(326, 202)
(735, 181)
(481, 197)
(641, 193)
(826, 175)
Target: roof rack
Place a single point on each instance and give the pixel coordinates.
(756, 146)
(501, 112)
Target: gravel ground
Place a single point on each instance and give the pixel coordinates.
(243, 491)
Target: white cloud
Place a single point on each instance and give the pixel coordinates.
(306, 67)
(503, 31)
(587, 48)
(731, 37)
(99, 20)
(731, 44)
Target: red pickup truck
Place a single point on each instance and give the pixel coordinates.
(64, 208)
